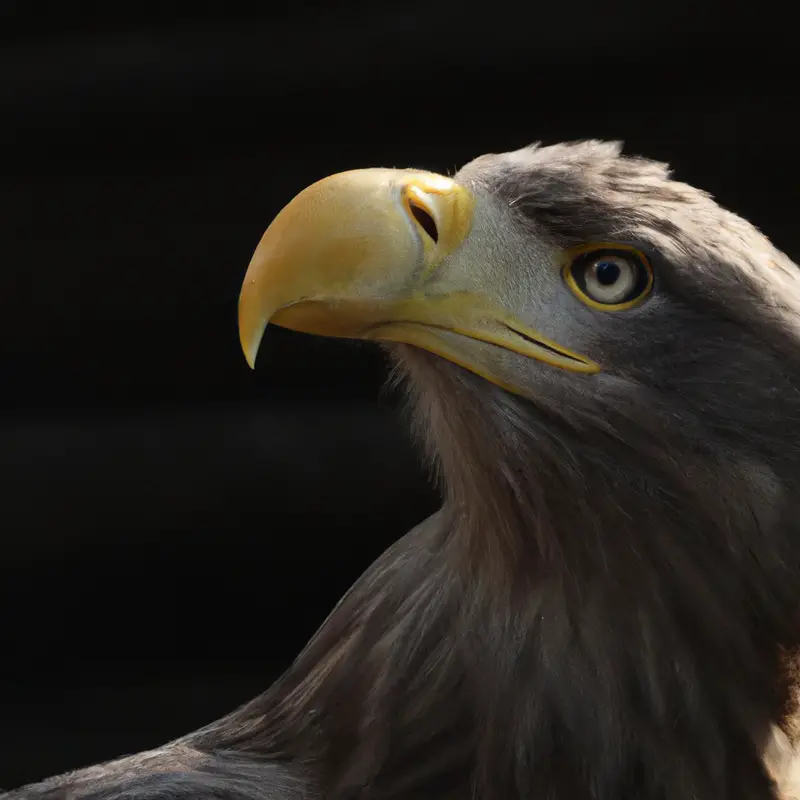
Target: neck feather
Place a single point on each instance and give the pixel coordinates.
(569, 625)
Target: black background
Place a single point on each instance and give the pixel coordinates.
(174, 526)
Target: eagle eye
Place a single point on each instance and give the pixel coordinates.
(609, 277)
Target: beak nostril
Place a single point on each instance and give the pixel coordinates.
(424, 219)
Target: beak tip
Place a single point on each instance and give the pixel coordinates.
(251, 343)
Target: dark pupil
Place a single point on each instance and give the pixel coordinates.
(606, 272)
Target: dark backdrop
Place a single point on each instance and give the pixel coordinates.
(174, 526)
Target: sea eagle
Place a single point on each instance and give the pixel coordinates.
(603, 366)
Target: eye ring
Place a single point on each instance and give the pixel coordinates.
(609, 277)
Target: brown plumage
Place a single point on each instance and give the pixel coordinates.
(605, 604)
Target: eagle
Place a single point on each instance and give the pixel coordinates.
(602, 367)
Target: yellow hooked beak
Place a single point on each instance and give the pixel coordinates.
(355, 255)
